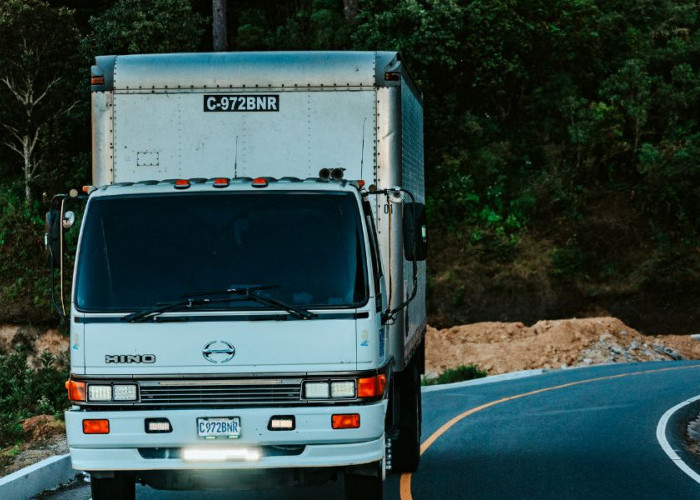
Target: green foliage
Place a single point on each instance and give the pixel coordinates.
(573, 123)
(25, 391)
(459, 374)
(24, 279)
(145, 26)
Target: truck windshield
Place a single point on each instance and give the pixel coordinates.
(140, 251)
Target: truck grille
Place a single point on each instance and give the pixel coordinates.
(221, 392)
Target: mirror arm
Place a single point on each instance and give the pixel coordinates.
(59, 200)
(389, 316)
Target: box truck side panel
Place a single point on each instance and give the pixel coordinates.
(412, 179)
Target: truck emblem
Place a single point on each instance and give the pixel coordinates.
(130, 358)
(218, 351)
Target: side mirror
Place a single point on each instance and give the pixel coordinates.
(68, 220)
(415, 238)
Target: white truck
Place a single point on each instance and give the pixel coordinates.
(248, 303)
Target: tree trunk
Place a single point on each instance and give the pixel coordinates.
(27, 170)
(351, 9)
(219, 25)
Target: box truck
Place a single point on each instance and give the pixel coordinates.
(248, 298)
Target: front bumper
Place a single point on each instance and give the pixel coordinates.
(312, 444)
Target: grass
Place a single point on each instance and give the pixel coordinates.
(459, 374)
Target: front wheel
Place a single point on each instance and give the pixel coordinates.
(406, 447)
(113, 488)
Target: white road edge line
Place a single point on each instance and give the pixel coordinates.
(661, 438)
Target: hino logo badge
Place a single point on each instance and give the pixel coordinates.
(218, 351)
(130, 358)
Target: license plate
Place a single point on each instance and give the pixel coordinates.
(219, 427)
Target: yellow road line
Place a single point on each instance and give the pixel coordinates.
(405, 485)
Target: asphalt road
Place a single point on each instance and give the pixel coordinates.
(580, 433)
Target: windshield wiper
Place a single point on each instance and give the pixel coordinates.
(242, 293)
(254, 292)
(188, 303)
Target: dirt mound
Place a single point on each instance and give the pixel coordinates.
(36, 341)
(41, 428)
(507, 347)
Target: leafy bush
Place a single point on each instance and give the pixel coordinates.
(459, 374)
(25, 391)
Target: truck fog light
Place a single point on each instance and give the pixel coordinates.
(343, 389)
(316, 390)
(99, 392)
(158, 425)
(346, 421)
(282, 423)
(125, 392)
(100, 426)
(221, 454)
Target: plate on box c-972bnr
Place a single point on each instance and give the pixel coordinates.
(219, 427)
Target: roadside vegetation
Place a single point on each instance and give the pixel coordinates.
(27, 391)
(562, 139)
(459, 374)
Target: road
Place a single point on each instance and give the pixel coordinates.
(580, 433)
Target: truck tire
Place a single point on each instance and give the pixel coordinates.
(113, 488)
(406, 447)
(365, 487)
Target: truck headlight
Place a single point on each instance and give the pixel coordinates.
(109, 393)
(316, 390)
(99, 392)
(343, 389)
(124, 392)
(333, 389)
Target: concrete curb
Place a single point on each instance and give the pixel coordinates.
(30, 481)
(485, 380)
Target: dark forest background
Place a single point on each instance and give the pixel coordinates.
(562, 139)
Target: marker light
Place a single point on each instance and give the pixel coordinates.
(392, 76)
(76, 390)
(99, 392)
(371, 387)
(281, 423)
(259, 182)
(96, 426)
(97, 80)
(221, 454)
(346, 421)
(221, 182)
(182, 184)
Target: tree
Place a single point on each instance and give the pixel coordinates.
(38, 57)
(218, 8)
(142, 26)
